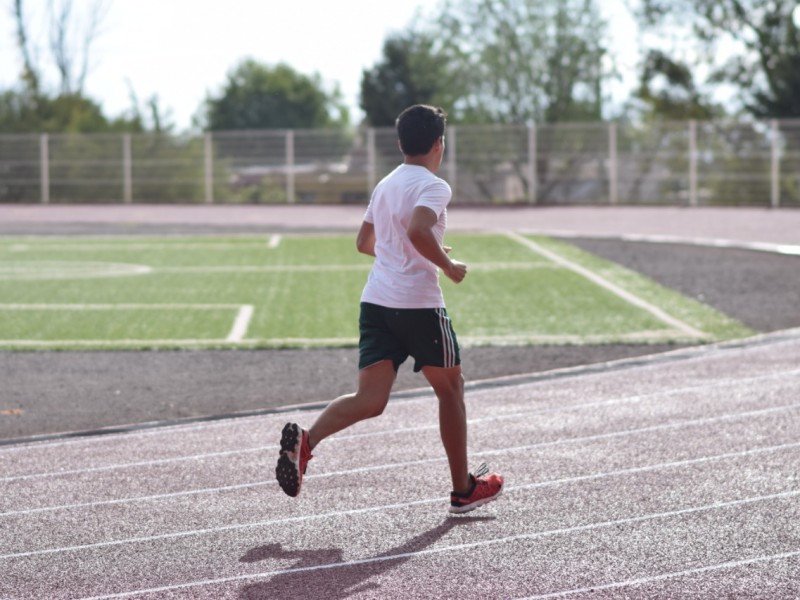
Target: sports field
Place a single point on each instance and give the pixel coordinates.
(298, 291)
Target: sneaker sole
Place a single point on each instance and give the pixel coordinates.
(288, 471)
(478, 503)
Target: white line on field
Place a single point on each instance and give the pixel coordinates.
(123, 306)
(313, 268)
(466, 341)
(607, 285)
(240, 325)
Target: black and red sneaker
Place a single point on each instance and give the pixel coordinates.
(294, 458)
(485, 488)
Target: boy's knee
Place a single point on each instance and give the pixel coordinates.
(373, 405)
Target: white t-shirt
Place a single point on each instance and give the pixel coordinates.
(401, 277)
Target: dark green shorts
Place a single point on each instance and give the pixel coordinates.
(394, 334)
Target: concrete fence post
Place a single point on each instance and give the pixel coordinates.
(290, 188)
(208, 167)
(127, 169)
(692, 163)
(532, 158)
(612, 164)
(44, 168)
(775, 171)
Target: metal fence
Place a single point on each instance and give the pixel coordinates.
(691, 163)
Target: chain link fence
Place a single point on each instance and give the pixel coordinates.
(691, 163)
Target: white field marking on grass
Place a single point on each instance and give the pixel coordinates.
(466, 341)
(417, 463)
(121, 306)
(137, 246)
(51, 269)
(176, 342)
(241, 324)
(236, 335)
(131, 343)
(403, 505)
(470, 545)
(611, 287)
(313, 268)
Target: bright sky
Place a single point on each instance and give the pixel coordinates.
(181, 50)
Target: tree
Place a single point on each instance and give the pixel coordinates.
(257, 96)
(70, 45)
(410, 72)
(21, 112)
(764, 67)
(668, 91)
(35, 109)
(525, 60)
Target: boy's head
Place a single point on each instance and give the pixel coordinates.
(418, 127)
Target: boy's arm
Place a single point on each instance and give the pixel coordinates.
(365, 240)
(420, 233)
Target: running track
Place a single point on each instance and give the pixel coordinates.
(666, 477)
(672, 476)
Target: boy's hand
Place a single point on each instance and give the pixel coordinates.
(457, 271)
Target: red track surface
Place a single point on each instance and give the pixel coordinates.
(670, 478)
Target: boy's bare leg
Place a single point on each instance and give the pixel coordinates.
(374, 386)
(449, 387)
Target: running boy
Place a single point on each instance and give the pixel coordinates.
(403, 312)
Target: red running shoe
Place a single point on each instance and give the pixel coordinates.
(485, 488)
(295, 455)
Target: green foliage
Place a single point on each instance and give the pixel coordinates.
(525, 60)
(410, 72)
(256, 96)
(668, 91)
(28, 113)
(764, 68)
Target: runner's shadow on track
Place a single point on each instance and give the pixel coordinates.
(323, 575)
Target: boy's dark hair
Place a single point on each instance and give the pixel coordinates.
(418, 127)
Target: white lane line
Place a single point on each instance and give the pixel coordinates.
(380, 508)
(467, 546)
(241, 324)
(516, 415)
(611, 287)
(733, 564)
(346, 437)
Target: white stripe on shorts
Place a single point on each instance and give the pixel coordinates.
(449, 358)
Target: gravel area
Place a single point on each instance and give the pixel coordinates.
(47, 393)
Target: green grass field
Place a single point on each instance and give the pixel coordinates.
(299, 290)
